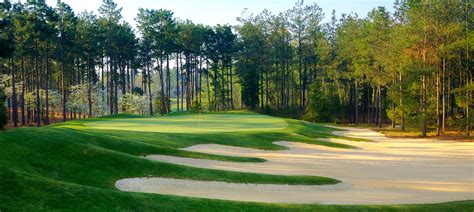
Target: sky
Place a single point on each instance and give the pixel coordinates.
(212, 12)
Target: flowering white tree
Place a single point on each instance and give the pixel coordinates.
(78, 100)
(54, 99)
(134, 104)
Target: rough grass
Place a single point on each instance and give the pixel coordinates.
(414, 132)
(22, 192)
(72, 166)
(98, 159)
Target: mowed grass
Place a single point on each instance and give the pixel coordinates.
(195, 123)
(73, 166)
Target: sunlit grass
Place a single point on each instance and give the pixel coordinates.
(194, 123)
(74, 165)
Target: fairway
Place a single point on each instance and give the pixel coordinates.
(93, 159)
(195, 123)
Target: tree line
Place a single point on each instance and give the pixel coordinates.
(57, 64)
(410, 67)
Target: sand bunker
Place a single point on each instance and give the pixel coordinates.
(221, 190)
(389, 171)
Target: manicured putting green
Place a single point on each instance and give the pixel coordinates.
(195, 123)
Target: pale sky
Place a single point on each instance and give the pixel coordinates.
(212, 12)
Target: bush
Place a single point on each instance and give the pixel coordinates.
(323, 106)
(293, 111)
(195, 106)
(395, 114)
(159, 107)
(134, 104)
(137, 91)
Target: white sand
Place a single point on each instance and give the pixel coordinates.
(388, 171)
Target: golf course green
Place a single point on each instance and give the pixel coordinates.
(195, 123)
(74, 165)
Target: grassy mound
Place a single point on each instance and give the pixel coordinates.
(74, 165)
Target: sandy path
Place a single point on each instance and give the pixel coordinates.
(389, 171)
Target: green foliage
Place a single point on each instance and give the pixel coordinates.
(78, 99)
(266, 63)
(159, 106)
(3, 110)
(54, 99)
(6, 40)
(137, 91)
(249, 64)
(323, 106)
(134, 104)
(195, 106)
(396, 114)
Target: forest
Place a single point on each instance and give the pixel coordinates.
(409, 67)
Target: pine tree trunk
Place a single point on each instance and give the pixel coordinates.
(188, 81)
(380, 106)
(38, 103)
(160, 70)
(149, 84)
(129, 82)
(110, 86)
(300, 52)
(14, 97)
(115, 91)
(182, 85)
(424, 96)
(29, 87)
(374, 105)
(443, 90)
(231, 86)
(467, 26)
(102, 85)
(208, 88)
(89, 90)
(400, 90)
(46, 119)
(124, 84)
(423, 105)
(303, 95)
(200, 82)
(267, 91)
(468, 100)
(356, 98)
(168, 106)
(261, 91)
(438, 96)
(23, 87)
(222, 87)
(63, 69)
(177, 81)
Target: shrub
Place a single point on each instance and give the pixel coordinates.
(323, 106)
(195, 106)
(159, 107)
(137, 91)
(134, 104)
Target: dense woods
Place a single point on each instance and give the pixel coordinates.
(411, 67)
